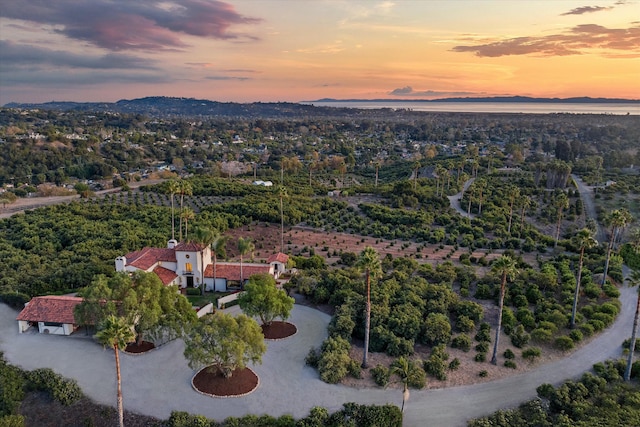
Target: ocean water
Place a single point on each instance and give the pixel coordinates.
(492, 107)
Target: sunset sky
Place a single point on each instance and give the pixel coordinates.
(295, 50)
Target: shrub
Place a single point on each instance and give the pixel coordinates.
(611, 291)
(510, 364)
(464, 324)
(454, 364)
(531, 354)
(576, 335)
(592, 291)
(541, 335)
(437, 329)
(564, 343)
(15, 300)
(61, 389)
(193, 291)
(627, 343)
(482, 347)
(587, 329)
(354, 369)
(312, 358)
(333, 366)
(480, 357)
(508, 354)
(484, 334)
(435, 364)
(11, 388)
(380, 375)
(483, 374)
(519, 337)
(462, 341)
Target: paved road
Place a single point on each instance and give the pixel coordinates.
(455, 200)
(586, 194)
(159, 382)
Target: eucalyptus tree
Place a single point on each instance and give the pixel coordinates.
(409, 375)
(116, 332)
(369, 261)
(583, 240)
(634, 280)
(245, 245)
(560, 202)
(506, 268)
(617, 220)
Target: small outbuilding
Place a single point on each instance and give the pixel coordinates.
(52, 314)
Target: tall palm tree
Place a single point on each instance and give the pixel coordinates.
(634, 280)
(481, 185)
(184, 188)
(561, 202)
(416, 172)
(205, 237)
(583, 240)
(218, 247)
(370, 262)
(173, 188)
(116, 332)
(506, 268)
(408, 373)
(525, 204)
(282, 192)
(617, 220)
(244, 246)
(513, 193)
(186, 215)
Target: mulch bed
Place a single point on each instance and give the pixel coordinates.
(278, 330)
(141, 348)
(241, 382)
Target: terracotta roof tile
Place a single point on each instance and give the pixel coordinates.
(146, 257)
(189, 247)
(279, 257)
(51, 308)
(166, 276)
(232, 271)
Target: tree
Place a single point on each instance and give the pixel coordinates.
(224, 343)
(7, 198)
(116, 332)
(369, 261)
(617, 220)
(409, 375)
(184, 188)
(583, 240)
(262, 299)
(513, 193)
(244, 246)
(282, 192)
(186, 214)
(634, 280)
(141, 298)
(218, 248)
(561, 202)
(205, 237)
(173, 187)
(505, 267)
(525, 203)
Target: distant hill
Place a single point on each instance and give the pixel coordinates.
(576, 100)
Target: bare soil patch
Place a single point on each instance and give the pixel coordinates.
(136, 348)
(241, 382)
(278, 330)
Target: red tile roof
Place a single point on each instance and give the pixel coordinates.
(146, 257)
(232, 271)
(51, 308)
(279, 257)
(189, 247)
(166, 276)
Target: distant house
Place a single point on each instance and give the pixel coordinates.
(263, 183)
(183, 264)
(51, 314)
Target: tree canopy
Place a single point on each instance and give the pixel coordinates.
(262, 299)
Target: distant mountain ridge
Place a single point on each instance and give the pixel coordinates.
(574, 100)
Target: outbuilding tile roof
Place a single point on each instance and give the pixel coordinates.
(50, 308)
(279, 257)
(147, 257)
(232, 271)
(166, 276)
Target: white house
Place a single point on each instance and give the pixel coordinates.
(51, 314)
(189, 264)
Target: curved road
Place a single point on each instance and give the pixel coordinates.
(159, 382)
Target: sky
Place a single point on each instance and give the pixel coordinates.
(300, 50)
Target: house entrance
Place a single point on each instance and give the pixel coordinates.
(189, 281)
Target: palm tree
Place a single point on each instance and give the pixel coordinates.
(416, 172)
(617, 220)
(583, 240)
(205, 237)
(116, 332)
(218, 248)
(513, 193)
(244, 246)
(506, 267)
(186, 215)
(282, 191)
(481, 185)
(561, 202)
(525, 204)
(173, 188)
(184, 188)
(370, 262)
(634, 280)
(408, 373)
